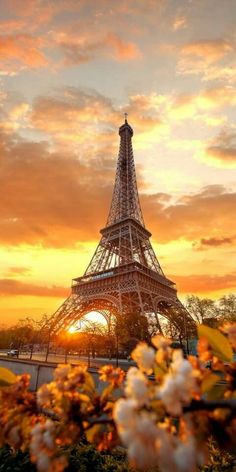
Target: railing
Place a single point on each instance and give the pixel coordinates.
(122, 270)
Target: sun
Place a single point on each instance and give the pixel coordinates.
(74, 328)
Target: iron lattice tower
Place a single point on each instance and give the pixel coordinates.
(124, 275)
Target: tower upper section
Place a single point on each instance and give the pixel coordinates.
(125, 200)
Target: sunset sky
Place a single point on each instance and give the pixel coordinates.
(69, 69)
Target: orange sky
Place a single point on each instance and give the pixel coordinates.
(68, 72)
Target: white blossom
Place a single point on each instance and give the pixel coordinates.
(124, 411)
(145, 357)
(43, 463)
(43, 395)
(136, 386)
(61, 372)
(138, 433)
(42, 444)
(179, 384)
(160, 342)
(230, 329)
(185, 456)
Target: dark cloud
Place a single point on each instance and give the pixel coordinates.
(205, 243)
(222, 149)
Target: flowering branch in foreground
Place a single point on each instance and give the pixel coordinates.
(166, 409)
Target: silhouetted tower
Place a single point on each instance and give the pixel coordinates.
(124, 275)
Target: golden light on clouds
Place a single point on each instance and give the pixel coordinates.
(69, 71)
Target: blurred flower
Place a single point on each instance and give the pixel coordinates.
(179, 384)
(230, 329)
(44, 395)
(145, 357)
(136, 386)
(110, 374)
(163, 348)
(185, 456)
(42, 444)
(204, 350)
(160, 342)
(61, 372)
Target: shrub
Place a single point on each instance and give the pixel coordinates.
(163, 421)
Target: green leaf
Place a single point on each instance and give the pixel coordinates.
(209, 382)
(217, 341)
(6, 377)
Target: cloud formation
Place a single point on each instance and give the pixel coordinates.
(84, 48)
(16, 287)
(208, 243)
(199, 57)
(202, 284)
(21, 50)
(221, 150)
(50, 198)
(201, 215)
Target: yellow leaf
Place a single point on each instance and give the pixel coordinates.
(107, 392)
(217, 392)
(159, 371)
(6, 377)
(217, 341)
(92, 432)
(209, 382)
(84, 398)
(89, 382)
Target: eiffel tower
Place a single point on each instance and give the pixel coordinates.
(124, 275)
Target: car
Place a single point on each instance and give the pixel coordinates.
(13, 353)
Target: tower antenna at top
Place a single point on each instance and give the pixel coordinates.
(126, 116)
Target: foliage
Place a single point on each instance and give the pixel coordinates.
(131, 329)
(212, 312)
(82, 457)
(167, 408)
(14, 461)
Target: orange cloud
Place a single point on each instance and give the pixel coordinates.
(192, 105)
(206, 214)
(206, 243)
(85, 47)
(211, 50)
(122, 50)
(74, 115)
(51, 198)
(15, 287)
(13, 271)
(197, 56)
(21, 50)
(57, 199)
(180, 22)
(204, 283)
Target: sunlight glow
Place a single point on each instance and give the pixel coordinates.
(73, 329)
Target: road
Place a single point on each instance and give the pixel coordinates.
(71, 359)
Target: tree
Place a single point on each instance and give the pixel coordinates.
(131, 328)
(227, 305)
(202, 310)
